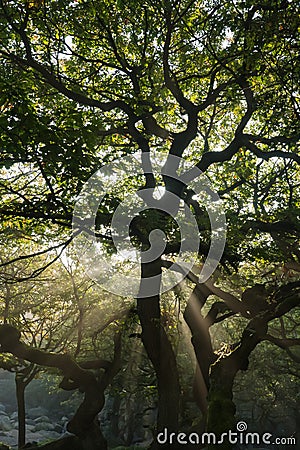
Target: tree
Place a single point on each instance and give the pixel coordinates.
(212, 83)
(26, 306)
(52, 314)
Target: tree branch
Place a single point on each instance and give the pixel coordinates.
(282, 343)
(270, 154)
(91, 405)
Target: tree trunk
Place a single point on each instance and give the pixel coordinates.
(22, 380)
(221, 409)
(163, 359)
(93, 439)
(200, 390)
(161, 354)
(201, 342)
(20, 393)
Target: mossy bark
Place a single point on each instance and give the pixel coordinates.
(221, 408)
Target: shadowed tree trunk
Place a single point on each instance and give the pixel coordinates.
(22, 379)
(221, 408)
(20, 393)
(201, 342)
(160, 352)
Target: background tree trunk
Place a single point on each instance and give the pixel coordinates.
(20, 393)
(22, 380)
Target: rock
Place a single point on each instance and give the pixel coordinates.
(2, 407)
(44, 426)
(44, 435)
(66, 434)
(14, 415)
(64, 419)
(5, 423)
(58, 428)
(36, 412)
(42, 419)
(30, 422)
(10, 438)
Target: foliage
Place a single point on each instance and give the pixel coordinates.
(216, 83)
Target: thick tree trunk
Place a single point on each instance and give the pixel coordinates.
(202, 345)
(93, 439)
(221, 408)
(163, 359)
(200, 390)
(161, 354)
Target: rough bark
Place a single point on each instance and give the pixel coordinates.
(221, 408)
(202, 344)
(160, 352)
